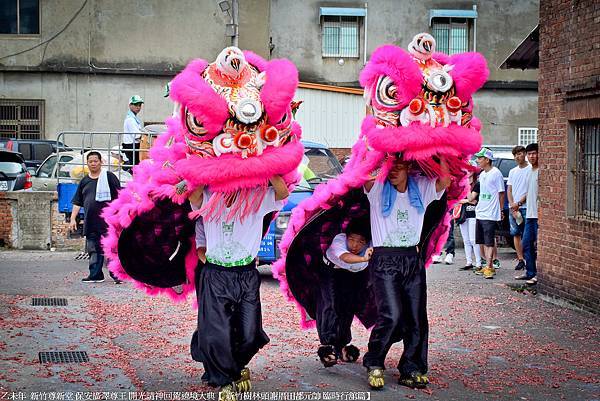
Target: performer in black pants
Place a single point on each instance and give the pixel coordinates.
(397, 272)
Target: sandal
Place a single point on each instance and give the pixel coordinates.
(327, 355)
(349, 353)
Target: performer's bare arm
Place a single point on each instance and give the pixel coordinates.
(73, 222)
(349, 257)
(281, 189)
(369, 184)
(445, 179)
(196, 197)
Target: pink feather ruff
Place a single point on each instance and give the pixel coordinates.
(170, 164)
(417, 142)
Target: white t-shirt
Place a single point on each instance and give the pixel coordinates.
(402, 227)
(491, 183)
(236, 242)
(532, 194)
(200, 236)
(518, 178)
(132, 129)
(339, 247)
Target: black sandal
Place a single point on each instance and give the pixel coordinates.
(327, 355)
(349, 353)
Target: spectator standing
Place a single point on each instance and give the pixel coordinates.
(488, 211)
(516, 191)
(132, 128)
(467, 228)
(531, 222)
(93, 193)
(449, 247)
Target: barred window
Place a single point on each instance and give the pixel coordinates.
(452, 35)
(527, 136)
(586, 168)
(21, 119)
(21, 17)
(340, 36)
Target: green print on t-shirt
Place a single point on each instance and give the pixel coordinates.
(403, 235)
(229, 250)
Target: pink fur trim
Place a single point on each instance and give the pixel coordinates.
(398, 64)
(422, 141)
(192, 91)
(240, 173)
(279, 89)
(469, 73)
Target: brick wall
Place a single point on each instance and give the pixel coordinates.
(30, 220)
(6, 220)
(569, 90)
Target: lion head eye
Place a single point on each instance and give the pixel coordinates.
(193, 124)
(386, 92)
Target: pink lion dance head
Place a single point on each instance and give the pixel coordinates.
(233, 132)
(420, 108)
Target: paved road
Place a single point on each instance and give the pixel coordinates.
(487, 341)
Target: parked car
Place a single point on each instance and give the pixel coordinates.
(13, 172)
(319, 165)
(70, 167)
(34, 151)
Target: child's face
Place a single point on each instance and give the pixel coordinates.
(355, 243)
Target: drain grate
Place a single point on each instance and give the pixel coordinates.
(63, 357)
(49, 302)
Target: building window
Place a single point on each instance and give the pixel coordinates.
(527, 136)
(21, 119)
(340, 36)
(586, 168)
(452, 35)
(20, 17)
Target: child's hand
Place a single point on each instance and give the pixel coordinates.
(368, 254)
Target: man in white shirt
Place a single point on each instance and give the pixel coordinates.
(516, 190)
(341, 281)
(230, 329)
(397, 271)
(531, 222)
(488, 211)
(132, 128)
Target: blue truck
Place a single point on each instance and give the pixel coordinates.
(318, 165)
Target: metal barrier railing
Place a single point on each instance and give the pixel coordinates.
(116, 158)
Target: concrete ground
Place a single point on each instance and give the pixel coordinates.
(487, 341)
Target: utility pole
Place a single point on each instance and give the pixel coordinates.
(235, 21)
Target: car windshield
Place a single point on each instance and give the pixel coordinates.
(10, 167)
(318, 165)
(505, 165)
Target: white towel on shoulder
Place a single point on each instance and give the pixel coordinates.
(102, 188)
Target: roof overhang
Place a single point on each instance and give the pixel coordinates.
(452, 14)
(343, 11)
(527, 54)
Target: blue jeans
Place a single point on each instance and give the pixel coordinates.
(530, 247)
(517, 229)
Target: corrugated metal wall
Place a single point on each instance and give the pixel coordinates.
(330, 118)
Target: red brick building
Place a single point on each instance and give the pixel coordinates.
(569, 138)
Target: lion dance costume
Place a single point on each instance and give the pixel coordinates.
(233, 133)
(420, 109)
